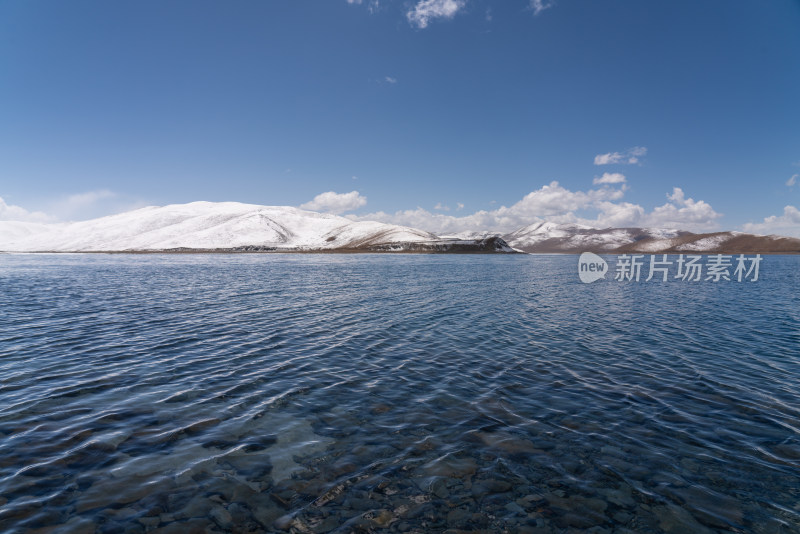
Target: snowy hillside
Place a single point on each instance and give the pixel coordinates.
(575, 238)
(468, 235)
(234, 226)
(205, 225)
(552, 237)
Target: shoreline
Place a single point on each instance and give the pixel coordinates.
(384, 252)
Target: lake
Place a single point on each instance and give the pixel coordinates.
(397, 393)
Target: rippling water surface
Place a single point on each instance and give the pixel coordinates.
(400, 393)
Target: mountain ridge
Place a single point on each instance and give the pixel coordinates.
(237, 227)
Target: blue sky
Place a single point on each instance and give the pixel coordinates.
(441, 114)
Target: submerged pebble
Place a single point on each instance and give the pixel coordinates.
(309, 395)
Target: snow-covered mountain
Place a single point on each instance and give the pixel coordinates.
(205, 225)
(552, 237)
(223, 226)
(233, 226)
(546, 237)
(471, 236)
(715, 243)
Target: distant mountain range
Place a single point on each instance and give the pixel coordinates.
(575, 238)
(236, 227)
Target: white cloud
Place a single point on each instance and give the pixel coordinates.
(602, 208)
(608, 159)
(372, 5)
(78, 206)
(550, 201)
(635, 153)
(81, 200)
(629, 157)
(389, 79)
(16, 213)
(610, 178)
(618, 215)
(793, 180)
(426, 10)
(540, 5)
(786, 224)
(442, 207)
(683, 213)
(459, 206)
(331, 202)
(90, 204)
(554, 200)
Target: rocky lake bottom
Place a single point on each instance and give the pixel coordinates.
(383, 393)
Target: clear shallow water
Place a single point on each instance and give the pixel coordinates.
(410, 393)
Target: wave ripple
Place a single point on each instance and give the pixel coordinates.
(317, 393)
